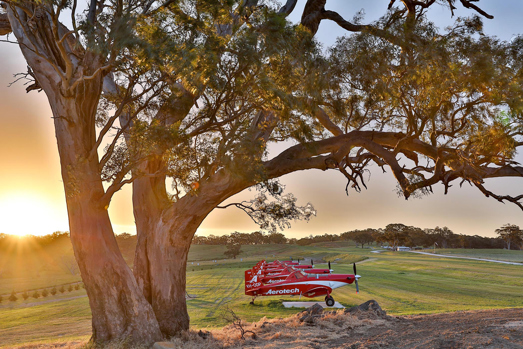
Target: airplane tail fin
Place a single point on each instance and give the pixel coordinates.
(249, 275)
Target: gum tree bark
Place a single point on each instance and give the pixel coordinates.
(119, 310)
(164, 241)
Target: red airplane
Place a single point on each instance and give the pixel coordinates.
(279, 274)
(299, 283)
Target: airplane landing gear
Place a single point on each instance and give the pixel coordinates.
(252, 302)
(329, 301)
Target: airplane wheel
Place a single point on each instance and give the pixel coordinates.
(251, 303)
(329, 301)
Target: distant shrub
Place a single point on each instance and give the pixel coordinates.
(45, 293)
(1, 298)
(77, 287)
(13, 297)
(61, 289)
(70, 288)
(53, 291)
(36, 294)
(25, 295)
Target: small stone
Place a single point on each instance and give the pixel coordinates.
(204, 334)
(369, 309)
(310, 312)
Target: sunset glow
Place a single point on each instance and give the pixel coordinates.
(28, 214)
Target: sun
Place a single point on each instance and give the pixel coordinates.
(29, 214)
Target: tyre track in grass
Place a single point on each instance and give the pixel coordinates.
(225, 280)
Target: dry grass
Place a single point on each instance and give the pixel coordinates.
(278, 333)
(65, 345)
(358, 328)
(80, 345)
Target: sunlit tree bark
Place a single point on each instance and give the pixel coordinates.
(70, 80)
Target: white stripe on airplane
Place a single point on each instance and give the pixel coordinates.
(331, 284)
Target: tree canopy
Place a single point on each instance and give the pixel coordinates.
(511, 233)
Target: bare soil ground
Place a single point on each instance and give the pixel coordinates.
(367, 326)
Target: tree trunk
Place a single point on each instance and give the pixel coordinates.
(164, 239)
(119, 310)
(160, 268)
(159, 264)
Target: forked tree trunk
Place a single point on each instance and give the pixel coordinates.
(164, 239)
(119, 310)
(160, 258)
(118, 307)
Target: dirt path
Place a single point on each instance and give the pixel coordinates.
(472, 258)
(367, 260)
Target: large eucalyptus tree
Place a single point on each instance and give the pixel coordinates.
(398, 90)
(195, 90)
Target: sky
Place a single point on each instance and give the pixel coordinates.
(32, 199)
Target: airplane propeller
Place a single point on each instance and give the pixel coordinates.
(312, 263)
(356, 277)
(330, 270)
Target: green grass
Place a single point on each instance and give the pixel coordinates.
(65, 320)
(406, 283)
(403, 283)
(44, 280)
(502, 255)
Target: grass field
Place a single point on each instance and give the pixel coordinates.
(402, 283)
(502, 255)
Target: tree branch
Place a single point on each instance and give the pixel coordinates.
(326, 122)
(500, 198)
(5, 25)
(336, 17)
(113, 188)
(91, 15)
(467, 4)
(288, 7)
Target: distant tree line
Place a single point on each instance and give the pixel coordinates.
(509, 236)
(7, 240)
(237, 238)
(395, 234)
